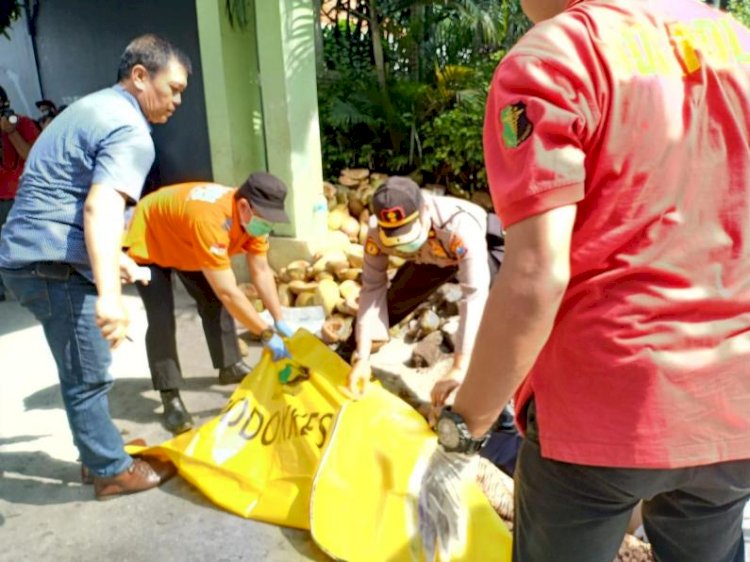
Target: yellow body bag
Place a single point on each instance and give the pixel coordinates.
(289, 424)
(259, 456)
(364, 496)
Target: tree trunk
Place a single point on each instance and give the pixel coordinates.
(318, 31)
(377, 45)
(417, 29)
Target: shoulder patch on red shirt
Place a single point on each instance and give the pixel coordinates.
(516, 124)
(371, 247)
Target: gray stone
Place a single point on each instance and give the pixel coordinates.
(427, 351)
(449, 329)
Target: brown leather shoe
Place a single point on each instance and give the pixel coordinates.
(87, 478)
(142, 475)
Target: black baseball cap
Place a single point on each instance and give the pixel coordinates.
(266, 193)
(397, 203)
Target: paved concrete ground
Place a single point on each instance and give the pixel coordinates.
(46, 514)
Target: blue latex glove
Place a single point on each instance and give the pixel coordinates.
(442, 515)
(283, 328)
(277, 348)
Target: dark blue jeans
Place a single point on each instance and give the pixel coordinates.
(63, 301)
(573, 513)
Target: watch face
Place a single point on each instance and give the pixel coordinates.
(448, 435)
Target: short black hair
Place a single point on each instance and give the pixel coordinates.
(3, 95)
(152, 52)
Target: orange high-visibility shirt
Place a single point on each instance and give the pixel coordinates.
(190, 226)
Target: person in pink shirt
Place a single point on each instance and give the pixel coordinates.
(617, 144)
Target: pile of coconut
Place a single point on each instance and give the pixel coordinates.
(332, 279)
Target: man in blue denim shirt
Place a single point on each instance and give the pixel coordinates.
(60, 251)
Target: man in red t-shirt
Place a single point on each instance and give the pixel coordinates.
(17, 134)
(617, 144)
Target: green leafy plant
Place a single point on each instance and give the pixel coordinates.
(10, 11)
(237, 13)
(453, 145)
(741, 10)
(398, 74)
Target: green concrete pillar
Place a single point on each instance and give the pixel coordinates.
(286, 57)
(234, 109)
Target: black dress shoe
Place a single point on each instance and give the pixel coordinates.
(176, 417)
(234, 373)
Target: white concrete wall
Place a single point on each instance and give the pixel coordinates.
(18, 75)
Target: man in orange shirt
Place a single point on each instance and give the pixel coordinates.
(193, 229)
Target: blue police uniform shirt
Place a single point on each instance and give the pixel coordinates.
(103, 138)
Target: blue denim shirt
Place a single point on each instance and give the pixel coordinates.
(103, 138)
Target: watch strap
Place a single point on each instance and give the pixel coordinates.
(267, 335)
(468, 444)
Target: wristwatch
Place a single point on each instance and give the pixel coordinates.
(267, 335)
(454, 435)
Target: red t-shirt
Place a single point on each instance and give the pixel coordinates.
(12, 163)
(638, 112)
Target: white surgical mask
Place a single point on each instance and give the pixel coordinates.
(414, 245)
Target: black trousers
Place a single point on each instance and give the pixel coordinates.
(573, 513)
(161, 335)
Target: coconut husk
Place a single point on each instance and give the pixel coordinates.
(634, 549)
(329, 190)
(333, 241)
(377, 179)
(286, 297)
(429, 322)
(298, 287)
(356, 255)
(337, 216)
(349, 307)
(297, 270)
(327, 295)
(336, 329)
(365, 195)
(283, 276)
(349, 274)
(350, 227)
(258, 305)
(243, 347)
(349, 289)
(364, 228)
(249, 290)
(305, 299)
(329, 262)
(347, 181)
(323, 275)
(498, 487)
(358, 174)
